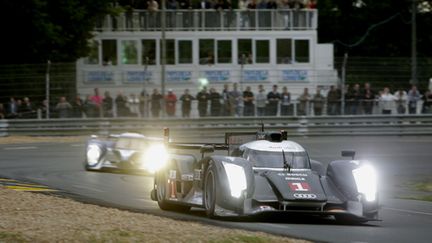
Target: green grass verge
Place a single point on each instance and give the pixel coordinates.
(11, 237)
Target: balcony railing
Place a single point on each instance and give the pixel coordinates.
(212, 20)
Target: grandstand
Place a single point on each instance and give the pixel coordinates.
(207, 47)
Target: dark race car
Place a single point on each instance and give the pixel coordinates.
(266, 174)
(126, 152)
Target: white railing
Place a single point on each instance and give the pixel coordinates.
(375, 125)
(212, 20)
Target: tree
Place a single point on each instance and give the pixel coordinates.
(38, 30)
(386, 22)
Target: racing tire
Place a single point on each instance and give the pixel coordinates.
(161, 191)
(209, 197)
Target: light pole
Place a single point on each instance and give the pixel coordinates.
(414, 42)
(163, 58)
(47, 89)
(344, 63)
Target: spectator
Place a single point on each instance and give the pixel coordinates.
(226, 105)
(44, 107)
(215, 105)
(77, 107)
(153, 8)
(273, 98)
(170, 103)
(203, 97)
(107, 105)
(27, 109)
(156, 99)
(236, 100)
(356, 97)
(271, 4)
(90, 109)
(333, 99)
(63, 108)
(186, 99)
(251, 6)
(97, 101)
(203, 4)
(171, 6)
(248, 98)
(303, 108)
(2, 111)
(120, 101)
(413, 97)
(12, 109)
(311, 4)
(143, 103)
(401, 99)
(368, 99)
(244, 18)
(133, 104)
(187, 17)
(427, 102)
(285, 102)
(318, 101)
(387, 101)
(261, 101)
(19, 107)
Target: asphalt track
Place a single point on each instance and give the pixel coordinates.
(399, 160)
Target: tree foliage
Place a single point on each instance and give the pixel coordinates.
(58, 30)
(374, 28)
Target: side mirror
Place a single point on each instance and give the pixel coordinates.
(348, 153)
(207, 149)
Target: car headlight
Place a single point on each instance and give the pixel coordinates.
(366, 180)
(93, 154)
(236, 178)
(155, 158)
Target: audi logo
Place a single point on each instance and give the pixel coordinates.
(305, 196)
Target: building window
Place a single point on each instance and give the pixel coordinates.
(206, 51)
(262, 51)
(148, 53)
(129, 52)
(109, 52)
(185, 51)
(283, 51)
(93, 57)
(170, 51)
(224, 51)
(302, 51)
(245, 54)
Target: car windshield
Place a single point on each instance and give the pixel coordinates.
(296, 160)
(131, 143)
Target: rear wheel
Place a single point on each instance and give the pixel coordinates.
(161, 195)
(209, 199)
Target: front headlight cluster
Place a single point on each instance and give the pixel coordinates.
(236, 179)
(155, 157)
(366, 180)
(93, 154)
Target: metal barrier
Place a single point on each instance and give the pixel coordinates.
(216, 127)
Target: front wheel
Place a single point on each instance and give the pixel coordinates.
(161, 195)
(209, 199)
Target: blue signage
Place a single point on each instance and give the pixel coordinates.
(255, 75)
(100, 76)
(137, 77)
(217, 76)
(178, 76)
(294, 75)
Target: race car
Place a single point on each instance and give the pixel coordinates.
(126, 152)
(264, 172)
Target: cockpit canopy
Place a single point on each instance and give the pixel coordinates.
(270, 154)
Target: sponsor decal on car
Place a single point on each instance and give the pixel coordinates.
(295, 179)
(299, 186)
(305, 196)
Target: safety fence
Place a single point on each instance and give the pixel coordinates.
(216, 127)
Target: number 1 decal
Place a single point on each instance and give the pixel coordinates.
(299, 186)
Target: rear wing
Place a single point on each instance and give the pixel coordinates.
(233, 140)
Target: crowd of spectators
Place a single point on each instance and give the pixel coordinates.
(231, 101)
(155, 5)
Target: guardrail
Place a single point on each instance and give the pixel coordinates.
(217, 126)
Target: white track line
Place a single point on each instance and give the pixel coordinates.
(408, 211)
(77, 145)
(20, 148)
